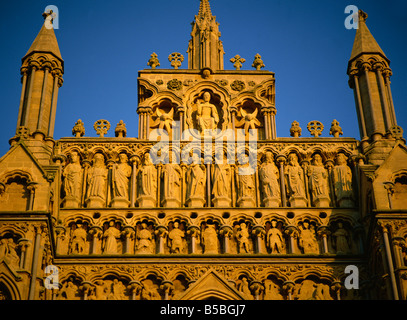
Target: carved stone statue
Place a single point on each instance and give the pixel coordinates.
(171, 178)
(144, 240)
(341, 240)
(72, 182)
(100, 291)
(195, 178)
(69, 291)
(147, 183)
(221, 181)
(308, 239)
(242, 237)
(318, 182)
(295, 182)
(110, 237)
(176, 239)
(269, 175)
(78, 242)
(243, 287)
(342, 179)
(97, 176)
(274, 239)
(8, 252)
(271, 291)
(210, 239)
(207, 114)
(246, 190)
(117, 290)
(121, 173)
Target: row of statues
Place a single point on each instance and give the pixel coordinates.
(199, 185)
(154, 289)
(177, 238)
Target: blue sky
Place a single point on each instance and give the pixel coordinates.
(105, 43)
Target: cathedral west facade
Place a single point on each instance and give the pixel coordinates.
(207, 202)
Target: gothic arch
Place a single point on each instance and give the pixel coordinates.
(9, 286)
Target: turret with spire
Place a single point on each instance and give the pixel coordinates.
(42, 69)
(369, 76)
(205, 50)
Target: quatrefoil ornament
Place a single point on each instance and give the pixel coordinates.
(101, 127)
(315, 128)
(176, 59)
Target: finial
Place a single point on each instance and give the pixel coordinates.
(336, 130)
(237, 61)
(79, 129)
(295, 130)
(153, 62)
(258, 62)
(362, 16)
(120, 130)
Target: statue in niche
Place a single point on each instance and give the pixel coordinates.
(72, 181)
(221, 182)
(271, 291)
(196, 179)
(99, 291)
(342, 179)
(117, 290)
(210, 239)
(295, 182)
(318, 182)
(69, 291)
(243, 287)
(269, 175)
(176, 239)
(306, 290)
(110, 237)
(147, 183)
(8, 252)
(171, 175)
(341, 240)
(149, 291)
(78, 242)
(144, 240)
(274, 238)
(120, 177)
(97, 176)
(242, 237)
(308, 239)
(246, 191)
(207, 114)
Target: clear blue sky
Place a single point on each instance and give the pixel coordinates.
(105, 43)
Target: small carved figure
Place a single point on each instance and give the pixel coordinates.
(342, 179)
(97, 176)
(147, 178)
(294, 178)
(100, 290)
(318, 181)
(8, 252)
(176, 239)
(242, 237)
(274, 238)
(243, 287)
(210, 239)
(341, 239)
(246, 191)
(69, 291)
(171, 175)
(110, 237)
(207, 114)
(271, 291)
(78, 242)
(120, 177)
(144, 240)
(117, 290)
(308, 239)
(269, 175)
(221, 179)
(72, 175)
(195, 178)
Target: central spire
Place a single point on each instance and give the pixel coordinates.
(205, 50)
(204, 9)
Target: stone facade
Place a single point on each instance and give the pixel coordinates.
(177, 213)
